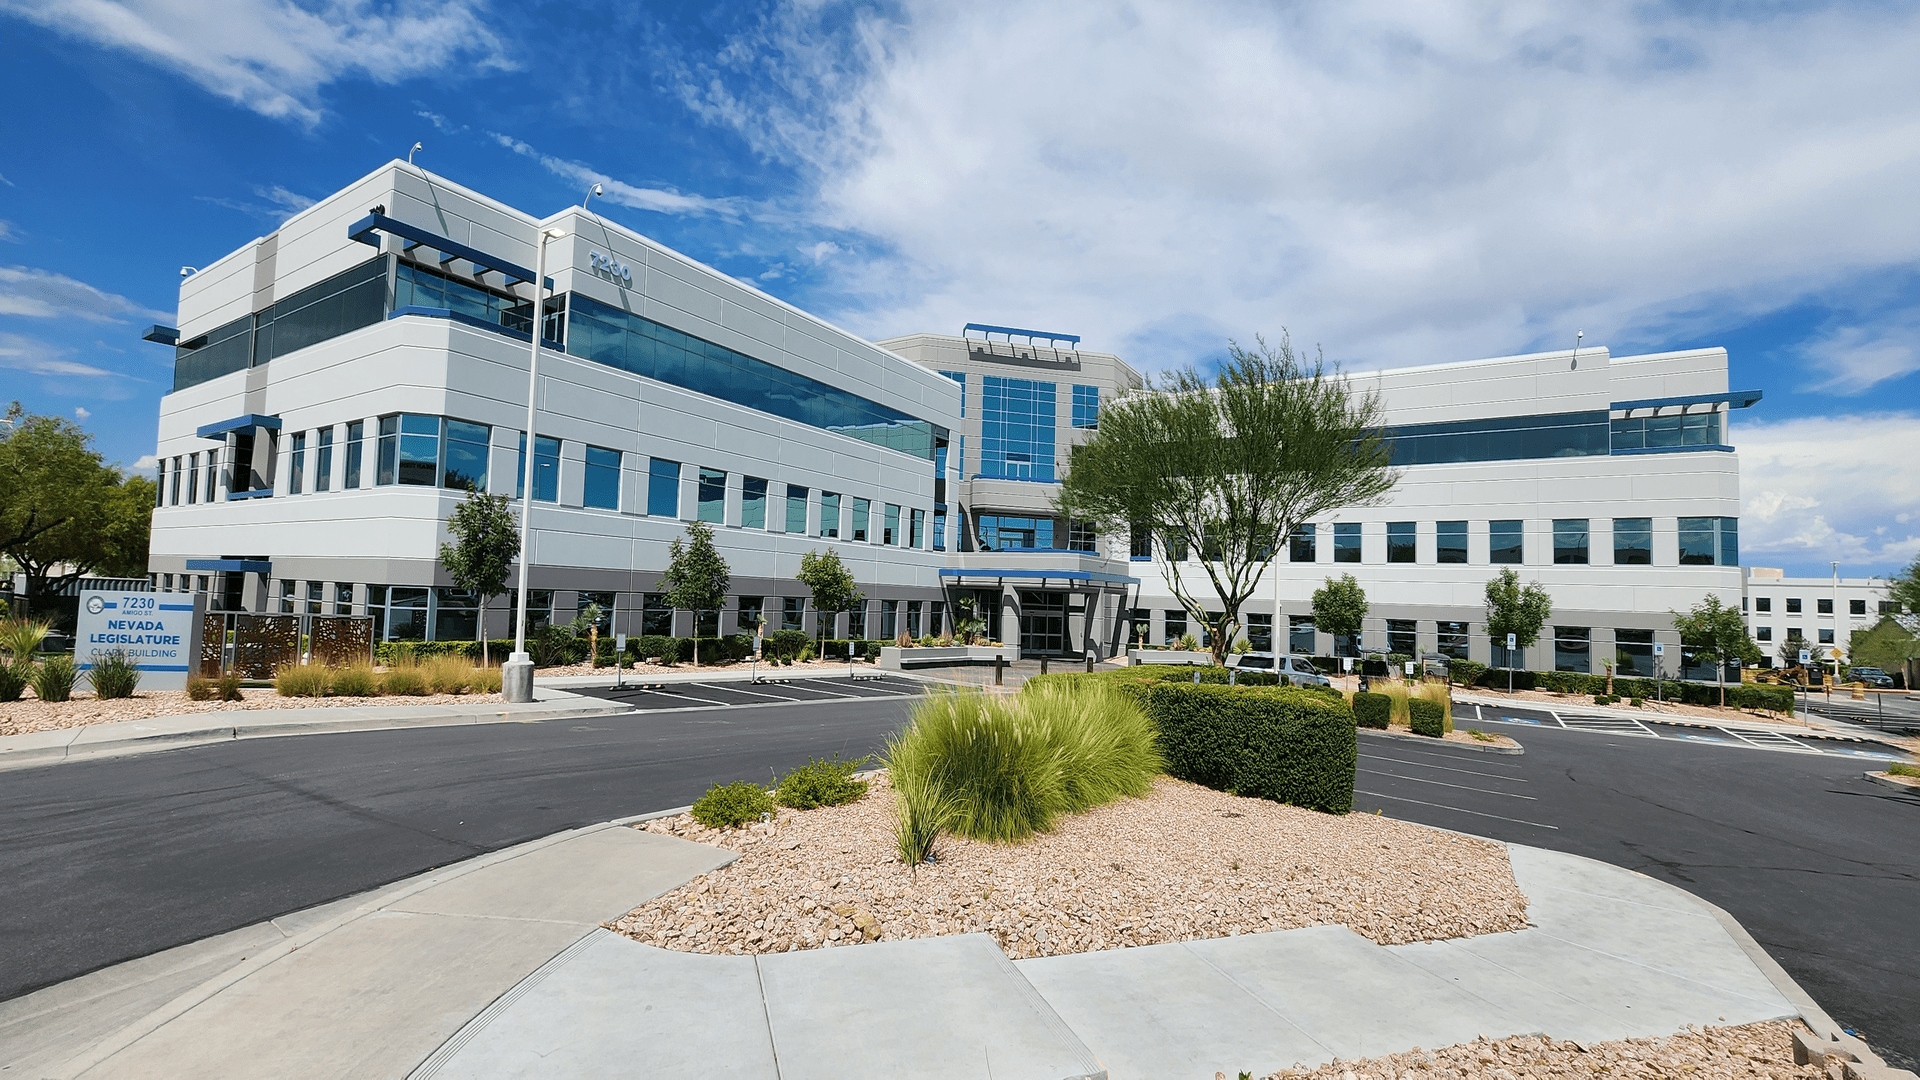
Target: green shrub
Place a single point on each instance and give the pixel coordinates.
(1427, 717)
(19, 637)
(1901, 768)
(1465, 672)
(821, 783)
(1777, 699)
(201, 688)
(301, 680)
(1372, 710)
(983, 753)
(356, 681)
(921, 811)
(446, 675)
(14, 676)
(1105, 741)
(403, 682)
(53, 680)
(228, 686)
(1290, 745)
(114, 674)
(485, 680)
(650, 647)
(788, 645)
(730, 806)
(1637, 702)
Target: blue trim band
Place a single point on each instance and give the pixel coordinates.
(219, 429)
(1738, 399)
(176, 607)
(259, 493)
(449, 250)
(244, 566)
(1069, 575)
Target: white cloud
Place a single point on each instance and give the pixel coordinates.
(278, 203)
(274, 56)
(80, 413)
(1404, 182)
(1857, 357)
(8, 231)
(823, 250)
(148, 461)
(1818, 489)
(9, 183)
(43, 294)
(659, 200)
(440, 123)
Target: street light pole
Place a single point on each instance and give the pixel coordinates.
(516, 675)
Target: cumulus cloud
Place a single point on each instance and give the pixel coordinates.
(275, 56)
(1816, 489)
(148, 461)
(1404, 182)
(660, 200)
(43, 294)
(80, 413)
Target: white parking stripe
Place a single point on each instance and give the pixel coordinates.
(1447, 768)
(1457, 787)
(1458, 809)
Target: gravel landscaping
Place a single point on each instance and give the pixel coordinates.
(28, 714)
(1710, 1053)
(1185, 862)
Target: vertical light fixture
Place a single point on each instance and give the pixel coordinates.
(517, 672)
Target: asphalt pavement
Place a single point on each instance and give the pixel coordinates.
(1822, 867)
(115, 859)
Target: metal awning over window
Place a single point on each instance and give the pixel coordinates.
(449, 249)
(239, 423)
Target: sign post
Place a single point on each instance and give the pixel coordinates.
(1510, 643)
(619, 651)
(1659, 650)
(160, 632)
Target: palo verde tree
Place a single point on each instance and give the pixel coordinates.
(1517, 610)
(697, 578)
(63, 507)
(485, 545)
(832, 586)
(1716, 632)
(1231, 465)
(1339, 608)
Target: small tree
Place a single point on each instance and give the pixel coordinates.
(697, 577)
(832, 586)
(1716, 632)
(1789, 650)
(1903, 589)
(486, 545)
(1340, 607)
(1512, 609)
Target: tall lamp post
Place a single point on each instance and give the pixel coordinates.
(516, 675)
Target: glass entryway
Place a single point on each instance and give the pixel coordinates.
(1043, 623)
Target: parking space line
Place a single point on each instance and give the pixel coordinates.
(1448, 768)
(729, 687)
(1457, 787)
(676, 697)
(1458, 809)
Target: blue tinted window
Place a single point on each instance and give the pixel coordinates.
(1677, 431)
(607, 335)
(294, 473)
(1709, 541)
(1501, 438)
(939, 528)
(1086, 407)
(346, 301)
(1730, 544)
(961, 378)
(796, 509)
(409, 450)
(862, 510)
(1506, 541)
(1346, 542)
(467, 448)
(602, 489)
(753, 502)
(1570, 540)
(1300, 547)
(1632, 541)
(999, 532)
(829, 515)
(1300, 634)
(1016, 428)
(918, 523)
(1449, 544)
(663, 487)
(713, 495)
(546, 469)
(1400, 541)
(890, 526)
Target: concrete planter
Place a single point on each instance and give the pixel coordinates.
(896, 658)
(1169, 656)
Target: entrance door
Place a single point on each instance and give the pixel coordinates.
(1043, 623)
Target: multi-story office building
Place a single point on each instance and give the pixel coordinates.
(1823, 612)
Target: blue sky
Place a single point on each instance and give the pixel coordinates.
(1401, 182)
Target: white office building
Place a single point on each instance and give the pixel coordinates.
(341, 382)
(1823, 612)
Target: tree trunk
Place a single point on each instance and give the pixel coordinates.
(1720, 678)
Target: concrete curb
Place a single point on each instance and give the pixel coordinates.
(1407, 737)
(121, 738)
(1886, 781)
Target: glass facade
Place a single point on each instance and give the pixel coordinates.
(999, 532)
(1570, 540)
(1453, 639)
(862, 511)
(409, 450)
(1506, 541)
(1503, 438)
(796, 509)
(1300, 546)
(663, 487)
(713, 496)
(1086, 407)
(793, 612)
(1633, 652)
(829, 515)
(1572, 648)
(1259, 631)
(656, 617)
(890, 526)
(939, 529)
(1081, 537)
(1663, 432)
(1401, 636)
(1711, 541)
(1633, 541)
(602, 488)
(1401, 541)
(1300, 634)
(1450, 541)
(1175, 627)
(620, 339)
(1346, 542)
(1016, 429)
(346, 301)
(546, 469)
(753, 503)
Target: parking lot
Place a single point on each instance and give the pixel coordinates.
(769, 689)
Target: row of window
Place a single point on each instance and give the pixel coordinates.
(1005, 532)
(1822, 606)
(1017, 423)
(1703, 541)
(1765, 634)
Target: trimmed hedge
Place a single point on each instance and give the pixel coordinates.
(1372, 710)
(1465, 672)
(1427, 718)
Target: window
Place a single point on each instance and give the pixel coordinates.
(1301, 544)
(999, 532)
(655, 616)
(793, 612)
(1500, 438)
(1856, 607)
(1346, 542)
(546, 469)
(1763, 633)
(245, 476)
(409, 450)
(316, 597)
(889, 619)
(323, 461)
(602, 490)
(796, 509)
(1300, 634)
(467, 448)
(1793, 605)
(356, 435)
(1571, 648)
(1016, 428)
(890, 526)
(1710, 541)
(1823, 606)
(749, 617)
(1176, 627)
(1081, 537)
(605, 334)
(829, 515)
(1826, 637)
(343, 599)
(539, 609)
(1570, 540)
(1400, 541)
(1666, 432)
(1260, 631)
(346, 301)
(753, 503)
(1141, 544)
(1401, 638)
(602, 600)
(961, 378)
(399, 613)
(286, 597)
(1633, 541)
(1452, 639)
(939, 529)
(193, 478)
(913, 618)
(1763, 604)
(862, 510)
(663, 487)
(936, 617)
(713, 496)
(213, 476)
(1506, 541)
(1633, 652)
(174, 499)
(1796, 632)
(1086, 407)
(1450, 542)
(296, 465)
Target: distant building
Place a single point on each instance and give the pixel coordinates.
(1824, 612)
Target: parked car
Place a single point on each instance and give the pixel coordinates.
(1299, 669)
(1870, 676)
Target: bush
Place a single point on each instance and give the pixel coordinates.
(20, 637)
(396, 653)
(485, 680)
(1427, 717)
(921, 810)
(649, 647)
(447, 675)
(821, 783)
(403, 682)
(14, 676)
(114, 674)
(201, 688)
(53, 680)
(732, 805)
(1777, 699)
(1465, 672)
(1637, 702)
(787, 645)
(1372, 710)
(1289, 745)
(356, 681)
(1106, 742)
(298, 680)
